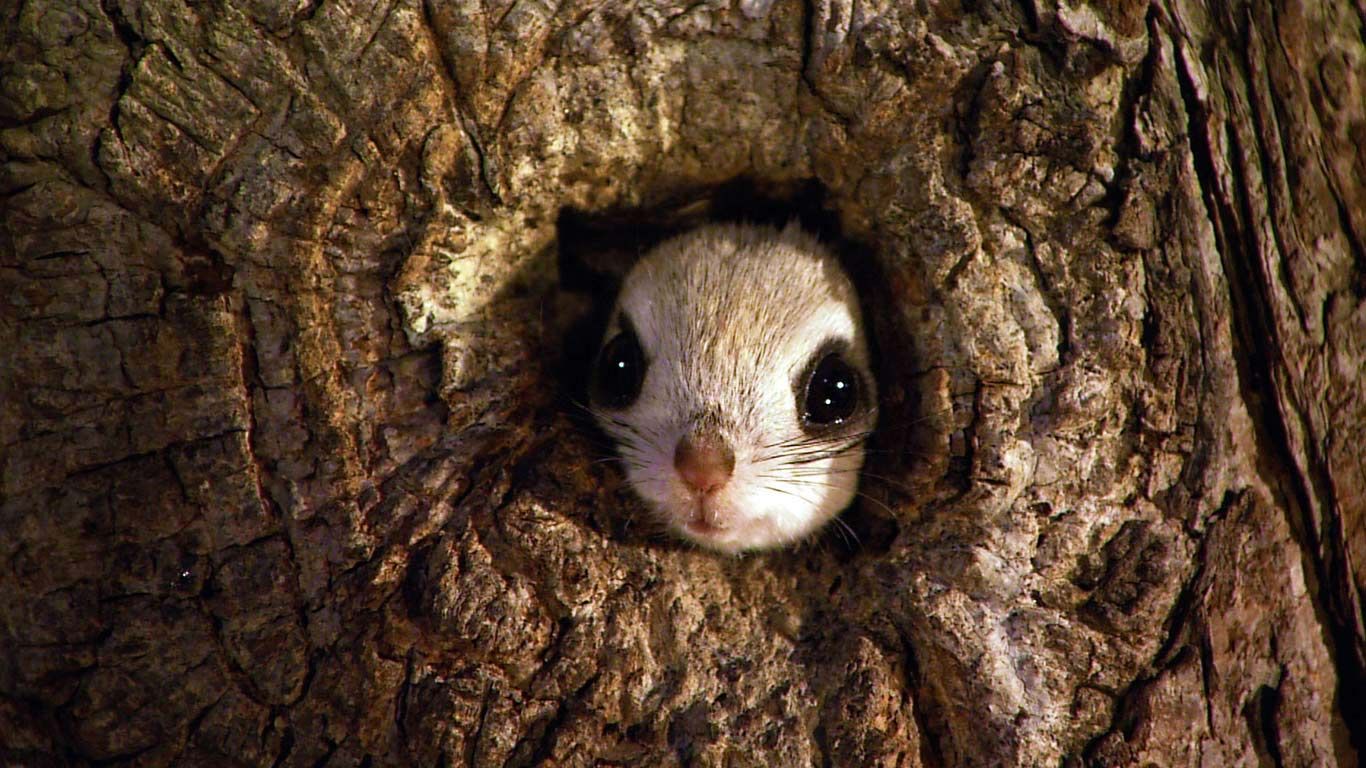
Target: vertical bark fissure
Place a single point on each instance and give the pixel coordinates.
(1255, 346)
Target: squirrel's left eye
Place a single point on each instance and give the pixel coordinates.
(832, 392)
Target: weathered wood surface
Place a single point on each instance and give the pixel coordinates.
(287, 480)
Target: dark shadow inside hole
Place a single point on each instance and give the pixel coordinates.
(597, 249)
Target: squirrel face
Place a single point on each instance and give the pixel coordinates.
(734, 379)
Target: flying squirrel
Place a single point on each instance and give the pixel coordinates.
(734, 379)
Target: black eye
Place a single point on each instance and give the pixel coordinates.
(620, 370)
(832, 392)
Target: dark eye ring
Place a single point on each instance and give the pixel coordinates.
(832, 392)
(619, 371)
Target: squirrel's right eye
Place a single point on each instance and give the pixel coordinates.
(619, 372)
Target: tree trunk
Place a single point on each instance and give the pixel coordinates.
(289, 302)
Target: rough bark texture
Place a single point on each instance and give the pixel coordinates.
(288, 478)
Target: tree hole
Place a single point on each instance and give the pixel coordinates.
(596, 250)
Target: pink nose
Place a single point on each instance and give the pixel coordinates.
(704, 461)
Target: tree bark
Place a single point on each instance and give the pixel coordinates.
(289, 296)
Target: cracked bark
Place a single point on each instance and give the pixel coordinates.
(289, 297)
